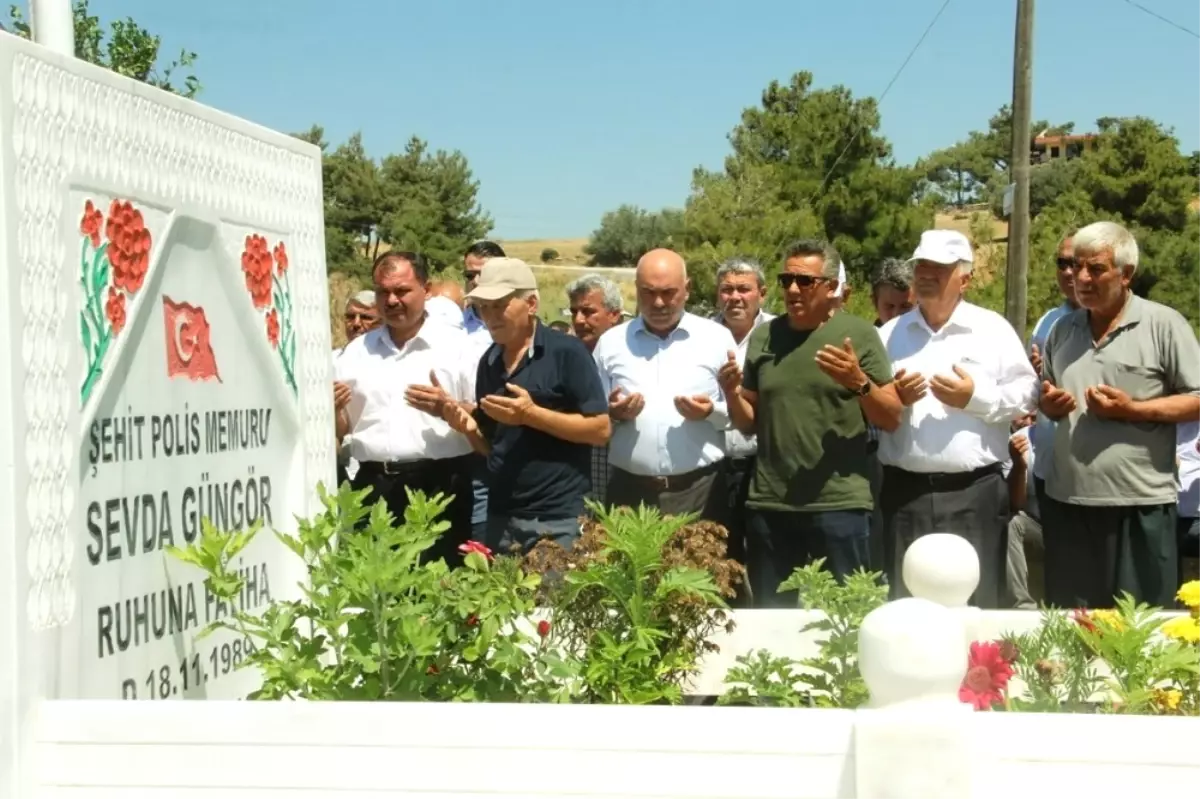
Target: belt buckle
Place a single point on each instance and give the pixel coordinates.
(392, 467)
(662, 482)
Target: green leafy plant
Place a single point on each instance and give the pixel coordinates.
(832, 678)
(1109, 661)
(376, 621)
(636, 599)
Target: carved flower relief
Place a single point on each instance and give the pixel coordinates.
(273, 328)
(128, 246)
(257, 263)
(114, 309)
(90, 224)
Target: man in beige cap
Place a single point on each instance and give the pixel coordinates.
(540, 408)
(963, 376)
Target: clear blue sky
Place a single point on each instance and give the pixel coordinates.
(568, 108)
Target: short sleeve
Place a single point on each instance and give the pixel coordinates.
(581, 380)
(1181, 360)
(872, 356)
(755, 348)
(1048, 373)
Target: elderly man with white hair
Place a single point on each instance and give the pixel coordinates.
(963, 375)
(1119, 375)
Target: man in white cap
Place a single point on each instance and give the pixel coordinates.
(963, 375)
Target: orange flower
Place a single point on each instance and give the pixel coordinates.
(128, 246)
(256, 266)
(281, 259)
(273, 328)
(114, 309)
(89, 225)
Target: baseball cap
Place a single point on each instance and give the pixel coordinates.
(946, 247)
(501, 277)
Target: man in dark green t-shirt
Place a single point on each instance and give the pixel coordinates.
(813, 379)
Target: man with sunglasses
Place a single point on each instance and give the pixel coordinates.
(812, 381)
(1041, 433)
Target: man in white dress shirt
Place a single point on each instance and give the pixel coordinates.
(660, 371)
(963, 376)
(390, 387)
(596, 307)
(741, 291)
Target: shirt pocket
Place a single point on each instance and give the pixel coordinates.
(1139, 382)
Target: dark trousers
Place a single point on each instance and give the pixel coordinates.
(779, 542)
(449, 476)
(1093, 554)
(875, 476)
(973, 505)
(507, 535)
(738, 474)
(342, 477)
(701, 492)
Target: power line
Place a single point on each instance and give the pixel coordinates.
(1161, 18)
(886, 89)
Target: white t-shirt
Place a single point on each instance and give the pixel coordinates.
(1187, 441)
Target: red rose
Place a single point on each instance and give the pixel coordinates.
(543, 628)
(281, 259)
(475, 546)
(273, 328)
(472, 620)
(89, 225)
(256, 266)
(114, 309)
(128, 246)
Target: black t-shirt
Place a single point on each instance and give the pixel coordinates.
(531, 474)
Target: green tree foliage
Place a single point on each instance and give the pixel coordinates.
(805, 162)
(126, 48)
(976, 168)
(417, 200)
(1136, 175)
(629, 232)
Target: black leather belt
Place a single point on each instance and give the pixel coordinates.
(674, 482)
(940, 481)
(407, 468)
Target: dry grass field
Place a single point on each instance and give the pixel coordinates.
(570, 251)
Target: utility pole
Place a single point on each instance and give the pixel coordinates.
(1016, 282)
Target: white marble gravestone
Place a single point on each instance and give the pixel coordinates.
(164, 357)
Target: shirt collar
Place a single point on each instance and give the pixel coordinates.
(536, 350)
(684, 329)
(960, 317)
(424, 338)
(1131, 314)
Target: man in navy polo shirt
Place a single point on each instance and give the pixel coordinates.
(540, 408)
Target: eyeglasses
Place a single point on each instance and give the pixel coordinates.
(471, 274)
(789, 279)
(1064, 264)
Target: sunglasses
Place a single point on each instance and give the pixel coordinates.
(789, 279)
(471, 274)
(1064, 264)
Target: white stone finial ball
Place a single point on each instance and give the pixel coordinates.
(943, 568)
(911, 650)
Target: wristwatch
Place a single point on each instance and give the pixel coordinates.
(866, 388)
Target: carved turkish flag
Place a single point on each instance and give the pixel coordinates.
(189, 348)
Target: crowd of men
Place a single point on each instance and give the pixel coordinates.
(812, 434)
